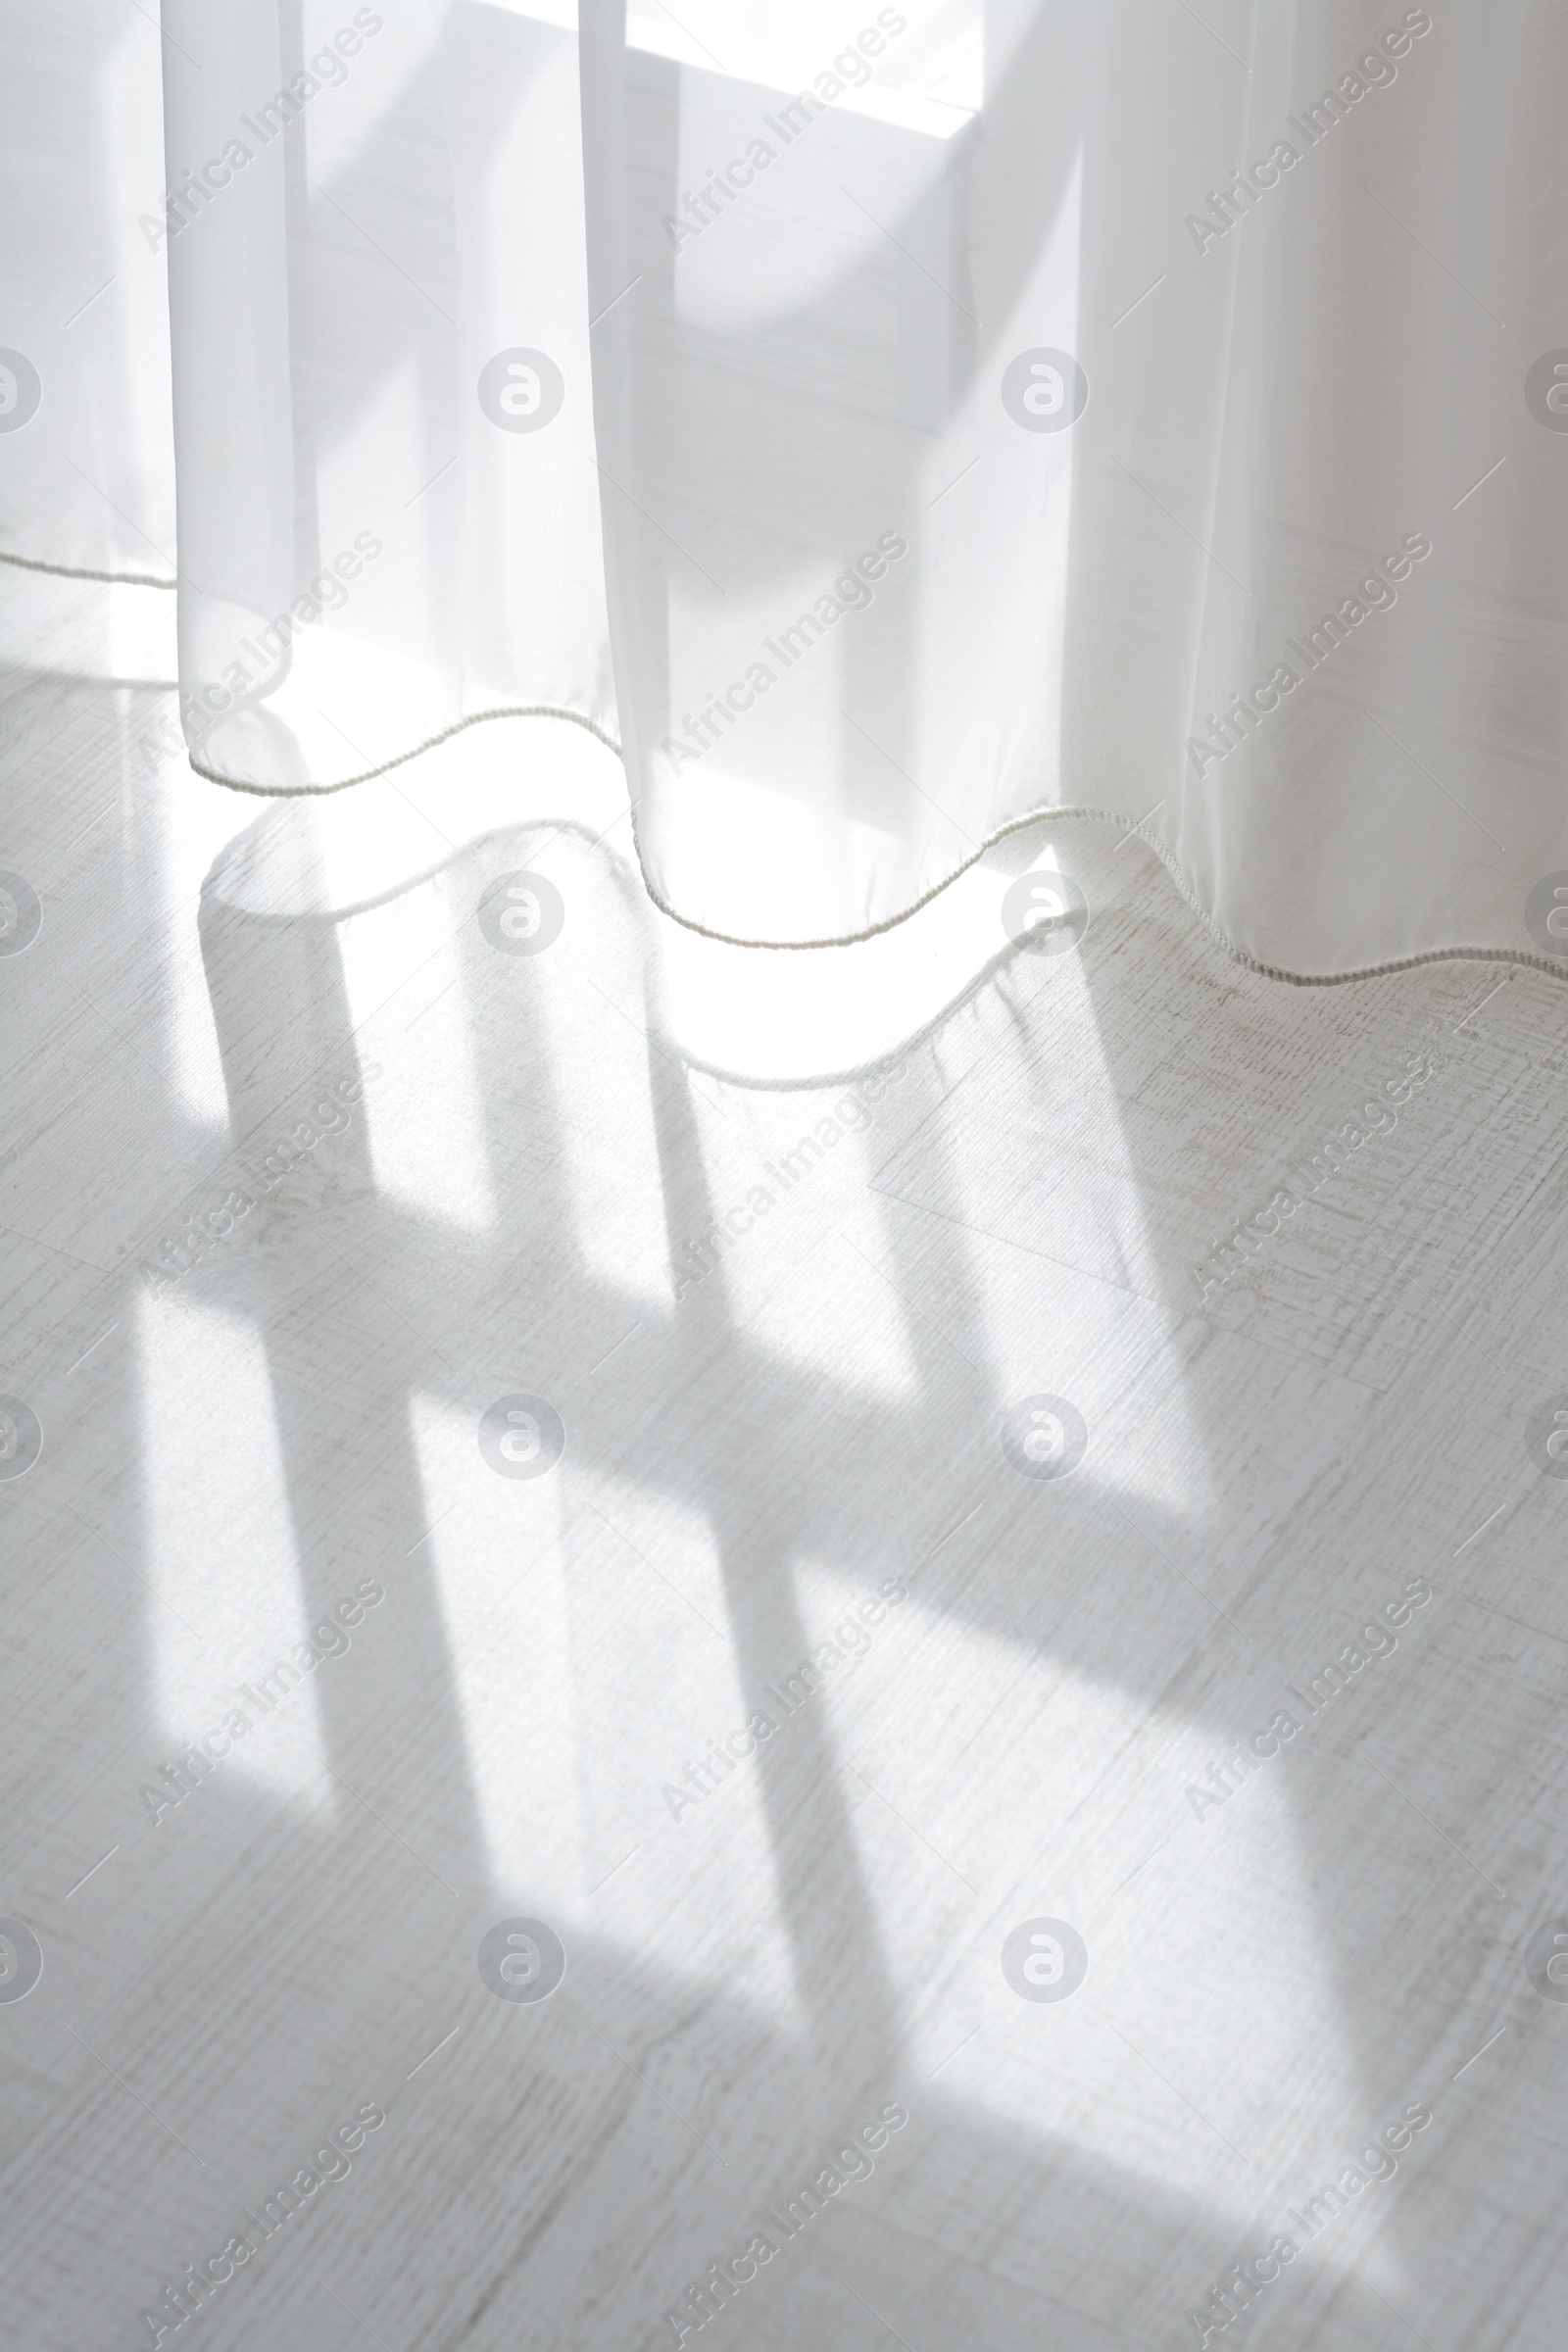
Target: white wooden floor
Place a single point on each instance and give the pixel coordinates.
(530, 1698)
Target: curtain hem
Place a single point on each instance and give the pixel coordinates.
(78, 572)
(850, 939)
(299, 792)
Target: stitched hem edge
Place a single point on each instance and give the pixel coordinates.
(850, 939)
(477, 718)
(75, 571)
(1106, 817)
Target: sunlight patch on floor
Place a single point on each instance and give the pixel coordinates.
(220, 1544)
(495, 1551)
(1249, 2030)
(428, 1142)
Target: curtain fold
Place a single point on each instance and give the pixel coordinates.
(889, 424)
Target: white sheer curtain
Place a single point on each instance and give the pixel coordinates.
(887, 423)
